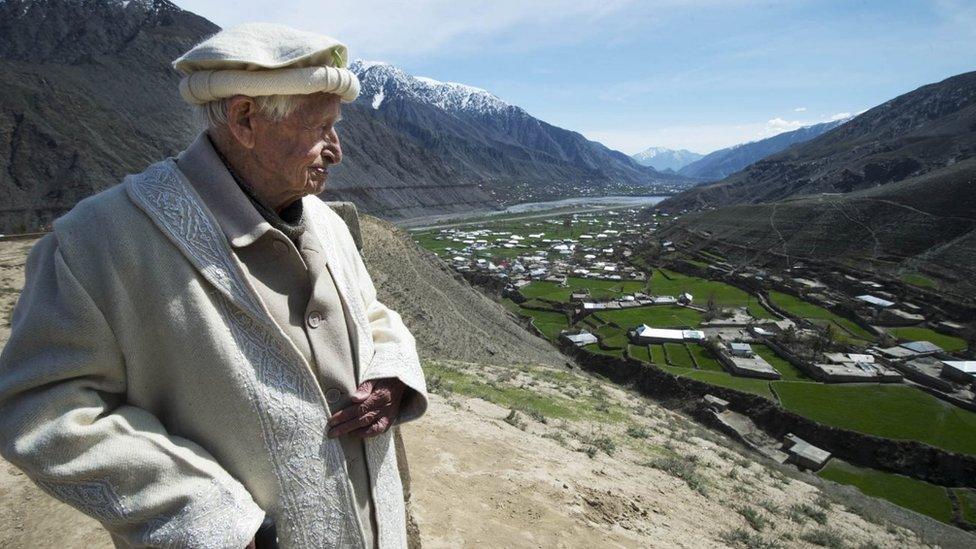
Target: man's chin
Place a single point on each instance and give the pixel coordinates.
(316, 186)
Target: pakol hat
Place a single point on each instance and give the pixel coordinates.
(260, 59)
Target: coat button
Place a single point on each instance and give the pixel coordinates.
(314, 319)
(332, 396)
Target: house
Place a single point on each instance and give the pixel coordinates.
(716, 404)
(804, 454)
(963, 371)
(923, 348)
(580, 339)
(874, 301)
(743, 350)
(644, 334)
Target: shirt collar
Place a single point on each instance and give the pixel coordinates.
(202, 166)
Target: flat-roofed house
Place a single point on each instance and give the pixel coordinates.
(743, 350)
(804, 454)
(963, 371)
(644, 334)
(581, 339)
(875, 301)
(923, 348)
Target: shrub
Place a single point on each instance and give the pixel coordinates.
(804, 510)
(556, 436)
(637, 431)
(824, 538)
(685, 469)
(752, 516)
(515, 420)
(740, 537)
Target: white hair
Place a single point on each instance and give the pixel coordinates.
(213, 114)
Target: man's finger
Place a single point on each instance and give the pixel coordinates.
(363, 391)
(377, 428)
(350, 412)
(347, 427)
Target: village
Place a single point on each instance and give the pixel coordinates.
(815, 340)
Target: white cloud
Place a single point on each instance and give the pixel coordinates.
(400, 29)
(800, 109)
(701, 138)
(779, 125)
(840, 116)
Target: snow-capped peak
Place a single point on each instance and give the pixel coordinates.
(381, 81)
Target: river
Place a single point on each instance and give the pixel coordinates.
(565, 205)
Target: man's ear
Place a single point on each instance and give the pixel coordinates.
(241, 114)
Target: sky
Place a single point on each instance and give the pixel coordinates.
(632, 74)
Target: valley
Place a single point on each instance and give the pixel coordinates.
(590, 281)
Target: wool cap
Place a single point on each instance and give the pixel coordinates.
(260, 59)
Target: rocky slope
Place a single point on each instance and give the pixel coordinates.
(86, 96)
(725, 162)
(920, 132)
(922, 224)
(662, 159)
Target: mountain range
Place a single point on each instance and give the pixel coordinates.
(725, 162)
(893, 189)
(927, 129)
(418, 145)
(87, 95)
(664, 159)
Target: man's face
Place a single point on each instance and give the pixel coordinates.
(293, 154)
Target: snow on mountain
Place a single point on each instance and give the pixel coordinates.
(382, 80)
(661, 158)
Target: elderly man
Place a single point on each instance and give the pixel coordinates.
(199, 350)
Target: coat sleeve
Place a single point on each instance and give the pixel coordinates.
(394, 345)
(64, 421)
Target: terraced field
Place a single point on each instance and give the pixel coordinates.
(803, 309)
(917, 495)
(598, 288)
(658, 316)
(890, 411)
(947, 342)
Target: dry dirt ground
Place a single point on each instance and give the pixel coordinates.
(581, 464)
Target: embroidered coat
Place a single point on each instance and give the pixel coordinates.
(145, 383)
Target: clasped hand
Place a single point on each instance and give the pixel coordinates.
(375, 406)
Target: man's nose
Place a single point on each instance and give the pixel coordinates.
(332, 152)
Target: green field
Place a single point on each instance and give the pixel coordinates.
(917, 495)
(548, 323)
(657, 354)
(704, 358)
(613, 337)
(890, 411)
(657, 316)
(722, 379)
(916, 279)
(947, 342)
(598, 288)
(665, 282)
(967, 503)
(757, 310)
(787, 370)
(679, 355)
(803, 309)
(639, 352)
